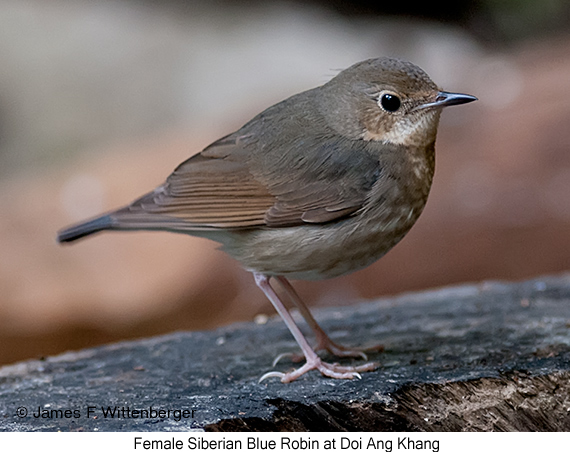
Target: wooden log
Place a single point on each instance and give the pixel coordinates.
(486, 357)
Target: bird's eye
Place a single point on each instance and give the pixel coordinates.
(390, 102)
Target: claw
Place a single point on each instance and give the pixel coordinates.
(279, 375)
(278, 358)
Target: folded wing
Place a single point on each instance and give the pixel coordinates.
(223, 188)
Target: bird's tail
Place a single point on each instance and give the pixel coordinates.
(82, 229)
(125, 220)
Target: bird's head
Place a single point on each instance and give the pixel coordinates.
(389, 100)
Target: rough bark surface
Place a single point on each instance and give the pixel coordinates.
(487, 357)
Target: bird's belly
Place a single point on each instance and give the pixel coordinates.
(321, 251)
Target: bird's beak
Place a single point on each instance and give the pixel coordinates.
(445, 99)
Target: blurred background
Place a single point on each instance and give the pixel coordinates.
(99, 101)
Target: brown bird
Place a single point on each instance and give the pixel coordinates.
(319, 185)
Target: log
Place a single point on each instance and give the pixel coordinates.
(493, 356)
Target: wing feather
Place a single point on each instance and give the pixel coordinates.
(225, 187)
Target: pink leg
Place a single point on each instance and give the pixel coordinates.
(324, 342)
(313, 360)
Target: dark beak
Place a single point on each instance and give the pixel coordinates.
(445, 99)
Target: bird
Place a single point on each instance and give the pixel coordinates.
(321, 184)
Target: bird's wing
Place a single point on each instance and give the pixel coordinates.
(326, 179)
(224, 187)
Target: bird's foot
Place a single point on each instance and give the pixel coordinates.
(334, 370)
(325, 343)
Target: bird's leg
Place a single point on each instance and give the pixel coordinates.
(324, 342)
(313, 360)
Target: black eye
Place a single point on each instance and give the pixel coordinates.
(390, 102)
